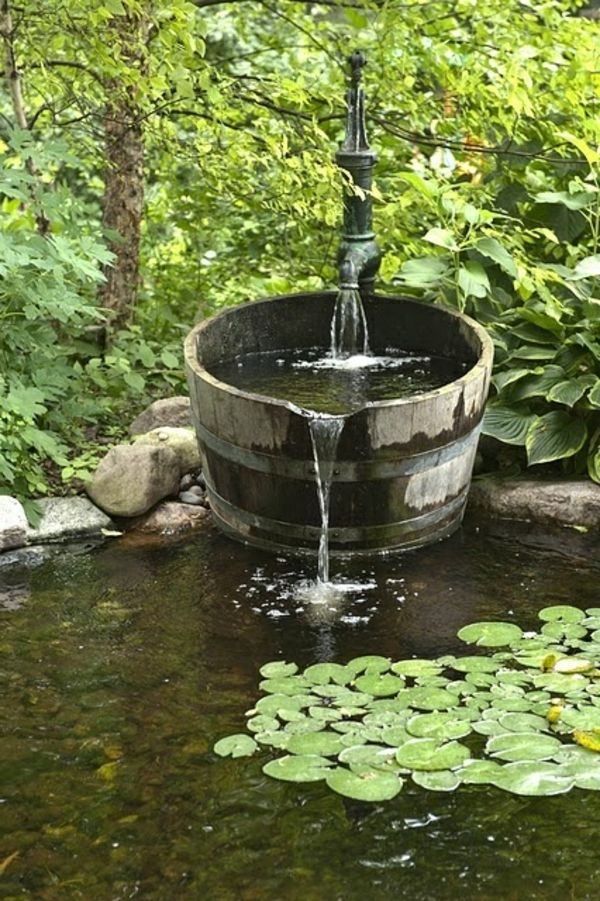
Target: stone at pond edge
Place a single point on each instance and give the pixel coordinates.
(169, 411)
(66, 517)
(181, 441)
(133, 478)
(13, 523)
(569, 502)
(171, 518)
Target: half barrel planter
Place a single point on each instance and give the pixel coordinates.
(403, 466)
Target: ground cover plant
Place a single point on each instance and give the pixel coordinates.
(522, 715)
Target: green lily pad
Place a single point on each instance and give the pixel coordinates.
(523, 722)
(440, 726)
(371, 662)
(370, 785)
(480, 680)
(481, 772)
(423, 698)
(395, 736)
(379, 685)
(263, 723)
(561, 630)
(277, 669)
(325, 714)
(490, 634)
(376, 756)
(518, 746)
(474, 664)
(437, 781)
(291, 716)
(298, 768)
(387, 718)
(588, 718)
(535, 779)
(559, 683)
(284, 685)
(349, 698)
(273, 703)
(305, 725)
(416, 667)
(428, 754)
(238, 745)
(324, 744)
(277, 739)
(322, 673)
(489, 727)
(564, 613)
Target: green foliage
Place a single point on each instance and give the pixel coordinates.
(530, 712)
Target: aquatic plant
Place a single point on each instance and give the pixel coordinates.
(525, 719)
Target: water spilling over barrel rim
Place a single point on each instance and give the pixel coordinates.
(404, 466)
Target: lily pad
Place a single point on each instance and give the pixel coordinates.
(562, 630)
(298, 768)
(238, 745)
(564, 613)
(518, 746)
(370, 785)
(325, 714)
(416, 667)
(474, 664)
(371, 662)
(560, 683)
(428, 754)
(277, 669)
(523, 722)
(277, 739)
(284, 685)
(272, 704)
(535, 779)
(379, 685)
(490, 634)
(438, 781)
(324, 744)
(263, 723)
(376, 756)
(481, 772)
(306, 724)
(423, 698)
(322, 673)
(440, 726)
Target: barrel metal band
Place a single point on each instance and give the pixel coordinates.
(345, 470)
(346, 534)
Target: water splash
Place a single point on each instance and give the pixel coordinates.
(325, 434)
(349, 331)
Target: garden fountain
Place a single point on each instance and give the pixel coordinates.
(377, 399)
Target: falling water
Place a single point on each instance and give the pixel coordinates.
(325, 434)
(349, 333)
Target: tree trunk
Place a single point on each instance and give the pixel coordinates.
(123, 201)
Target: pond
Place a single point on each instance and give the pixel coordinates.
(122, 666)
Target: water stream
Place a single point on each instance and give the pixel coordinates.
(325, 434)
(349, 331)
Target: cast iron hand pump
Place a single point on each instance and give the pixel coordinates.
(359, 255)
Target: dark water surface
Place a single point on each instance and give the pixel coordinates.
(121, 667)
(316, 382)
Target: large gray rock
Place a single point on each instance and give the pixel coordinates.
(132, 478)
(13, 523)
(64, 518)
(181, 441)
(173, 518)
(170, 411)
(569, 502)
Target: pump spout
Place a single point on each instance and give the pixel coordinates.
(359, 256)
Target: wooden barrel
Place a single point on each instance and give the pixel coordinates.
(403, 466)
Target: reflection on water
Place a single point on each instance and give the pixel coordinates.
(120, 669)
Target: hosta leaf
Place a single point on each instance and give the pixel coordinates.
(538, 383)
(437, 781)
(569, 391)
(239, 745)
(370, 785)
(507, 424)
(531, 779)
(554, 436)
(300, 768)
(522, 746)
(278, 668)
(428, 754)
(490, 634)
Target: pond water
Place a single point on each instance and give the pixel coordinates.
(337, 385)
(121, 667)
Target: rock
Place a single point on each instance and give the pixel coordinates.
(186, 482)
(172, 518)
(64, 518)
(196, 489)
(189, 497)
(132, 478)
(170, 411)
(181, 441)
(13, 523)
(568, 502)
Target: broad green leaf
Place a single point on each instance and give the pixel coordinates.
(429, 754)
(577, 201)
(538, 383)
(325, 714)
(494, 250)
(554, 436)
(475, 664)
(587, 268)
(416, 667)
(441, 726)
(284, 685)
(279, 739)
(569, 391)
(322, 673)
(442, 237)
(594, 395)
(324, 744)
(507, 424)
(490, 634)
(437, 781)
(370, 785)
(423, 698)
(278, 668)
(424, 271)
(523, 722)
(372, 662)
(239, 745)
(262, 723)
(376, 756)
(535, 779)
(301, 768)
(379, 685)
(473, 279)
(522, 746)
(481, 772)
(303, 725)
(272, 704)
